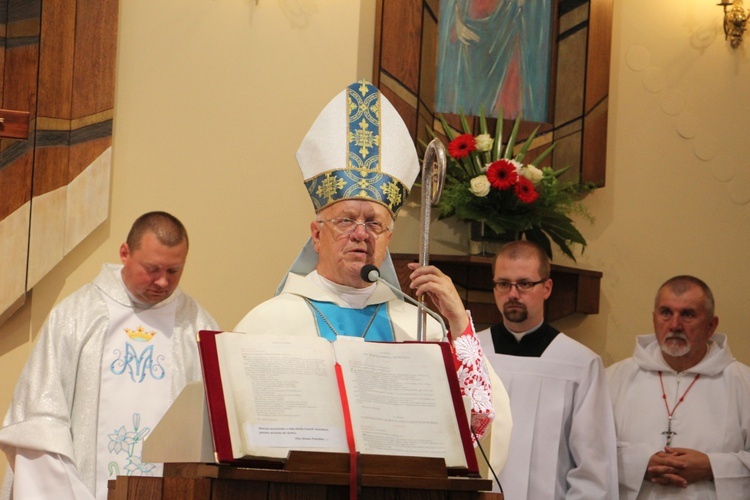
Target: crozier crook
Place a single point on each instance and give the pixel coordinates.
(433, 178)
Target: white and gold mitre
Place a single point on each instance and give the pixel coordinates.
(358, 148)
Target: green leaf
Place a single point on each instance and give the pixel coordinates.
(498, 136)
(526, 145)
(558, 173)
(544, 155)
(512, 139)
(482, 121)
(538, 237)
(450, 133)
(465, 123)
(486, 155)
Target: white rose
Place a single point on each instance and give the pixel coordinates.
(532, 173)
(480, 186)
(484, 142)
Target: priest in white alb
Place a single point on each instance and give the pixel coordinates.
(682, 404)
(563, 440)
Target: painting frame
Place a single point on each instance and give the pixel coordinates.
(405, 70)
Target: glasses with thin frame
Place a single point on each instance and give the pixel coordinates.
(522, 286)
(346, 226)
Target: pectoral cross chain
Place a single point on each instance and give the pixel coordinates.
(669, 432)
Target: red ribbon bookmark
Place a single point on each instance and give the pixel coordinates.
(354, 473)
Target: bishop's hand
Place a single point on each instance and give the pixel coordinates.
(439, 287)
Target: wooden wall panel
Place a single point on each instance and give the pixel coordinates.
(48, 176)
(95, 49)
(595, 143)
(402, 40)
(83, 154)
(597, 72)
(76, 80)
(15, 185)
(59, 65)
(597, 92)
(21, 26)
(56, 58)
(91, 118)
(56, 52)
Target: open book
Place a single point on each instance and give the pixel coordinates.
(269, 394)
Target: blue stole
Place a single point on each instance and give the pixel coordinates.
(352, 322)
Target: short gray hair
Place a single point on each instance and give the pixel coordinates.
(682, 283)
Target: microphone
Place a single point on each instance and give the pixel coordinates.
(371, 274)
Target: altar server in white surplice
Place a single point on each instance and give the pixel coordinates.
(682, 404)
(358, 162)
(563, 439)
(110, 360)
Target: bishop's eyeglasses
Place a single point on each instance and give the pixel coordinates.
(522, 286)
(346, 226)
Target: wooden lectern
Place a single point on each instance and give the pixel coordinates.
(307, 476)
(182, 441)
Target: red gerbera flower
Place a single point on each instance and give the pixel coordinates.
(525, 190)
(502, 174)
(461, 146)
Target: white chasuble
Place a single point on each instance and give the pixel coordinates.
(135, 388)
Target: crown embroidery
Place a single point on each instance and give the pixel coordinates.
(139, 334)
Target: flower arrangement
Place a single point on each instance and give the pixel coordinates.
(489, 182)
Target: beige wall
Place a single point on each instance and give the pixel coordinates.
(214, 96)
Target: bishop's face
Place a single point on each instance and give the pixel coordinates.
(341, 256)
(683, 326)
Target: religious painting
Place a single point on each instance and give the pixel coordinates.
(495, 55)
(558, 48)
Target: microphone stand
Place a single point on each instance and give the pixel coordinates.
(371, 274)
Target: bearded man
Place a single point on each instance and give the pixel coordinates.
(682, 404)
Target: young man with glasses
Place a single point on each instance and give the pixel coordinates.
(563, 440)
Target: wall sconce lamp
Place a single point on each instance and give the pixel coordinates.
(735, 20)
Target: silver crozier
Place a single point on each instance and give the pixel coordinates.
(433, 178)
